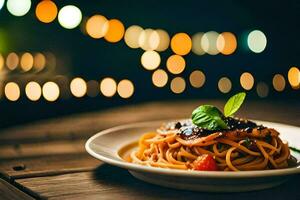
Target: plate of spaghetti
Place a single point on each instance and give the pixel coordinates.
(211, 151)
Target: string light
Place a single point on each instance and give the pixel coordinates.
(97, 26)
(226, 43)
(78, 87)
(181, 43)
(150, 60)
(69, 17)
(12, 91)
(278, 82)
(164, 40)
(132, 35)
(50, 91)
(1, 62)
(224, 85)
(92, 88)
(159, 78)
(46, 11)
(176, 64)
(18, 8)
(209, 42)
(294, 77)
(247, 81)
(12, 61)
(115, 31)
(108, 87)
(257, 41)
(262, 89)
(177, 85)
(39, 61)
(149, 39)
(197, 78)
(33, 91)
(196, 41)
(26, 61)
(125, 88)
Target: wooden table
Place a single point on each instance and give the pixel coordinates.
(47, 159)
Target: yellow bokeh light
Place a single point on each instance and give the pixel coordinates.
(177, 85)
(78, 87)
(164, 40)
(97, 26)
(150, 60)
(132, 35)
(39, 61)
(196, 44)
(181, 43)
(125, 88)
(26, 61)
(12, 91)
(226, 43)
(50, 91)
(294, 77)
(262, 89)
(224, 85)
(278, 82)
(92, 88)
(247, 81)
(46, 11)
(108, 87)
(33, 91)
(159, 78)
(197, 79)
(176, 64)
(209, 42)
(1, 62)
(148, 39)
(115, 31)
(12, 61)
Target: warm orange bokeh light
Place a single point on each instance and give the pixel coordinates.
(294, 77)
(46, 11)
(226, 43)
(278, 82)
(181, 43)
(97, 26)
(247, 80)
(115, 31)
(176, 64)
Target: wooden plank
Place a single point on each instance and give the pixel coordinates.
(108, 182)
(47, 165)
(9, 192)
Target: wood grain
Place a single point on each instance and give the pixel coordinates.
(108, 182)
(9, 192)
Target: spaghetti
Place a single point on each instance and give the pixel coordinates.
(245, 146)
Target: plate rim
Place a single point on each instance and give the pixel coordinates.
(184, 173)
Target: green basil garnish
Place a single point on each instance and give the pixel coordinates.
(234, 103)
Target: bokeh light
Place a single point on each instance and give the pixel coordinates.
(181, 43)
(50, 91)
(46, 11)
(18, 7)
(1, 3)
(108, 87)
(278, 82)
(149, 39)
(262, 89)
(257, 41)
(294, 77)
(132, 35)
(209, 42)
(12, 91)
(226, 43)
(247, 80)
(159, 78)
(92, 88)
(150, 60)
(12, 61)
(196, 41)
(197, 78)
(1, 61)
(177, 85)
(97, 26)
(115, 31)
(78, 87)
(33, 91)
(39, 61)
(224, 85)
(164, 40)
(125, 88)
(69, 17)
(176, 64)
(26, 61)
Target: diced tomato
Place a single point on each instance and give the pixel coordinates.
(205, 162)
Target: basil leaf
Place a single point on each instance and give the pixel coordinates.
(234, 103)
(208, 117)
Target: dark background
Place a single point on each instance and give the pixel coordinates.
(79, 55)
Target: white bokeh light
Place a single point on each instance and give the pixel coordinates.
(1, 4)
(18, 7)
(69, 17)
(257, 41)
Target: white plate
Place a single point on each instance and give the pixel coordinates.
(106, 146)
